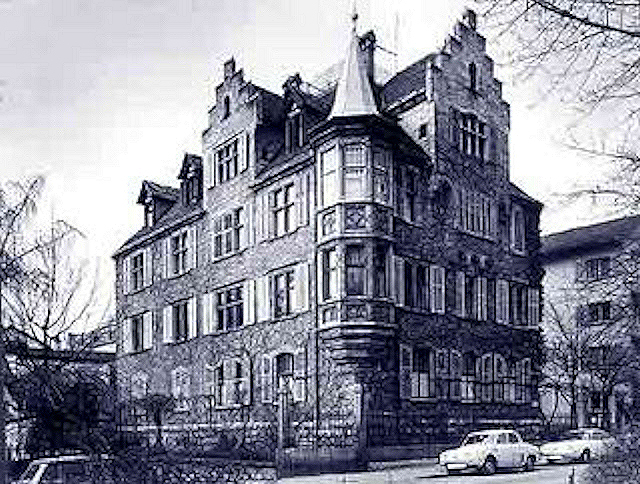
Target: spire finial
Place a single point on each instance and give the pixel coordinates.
(354, 16)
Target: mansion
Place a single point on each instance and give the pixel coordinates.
(357, 252)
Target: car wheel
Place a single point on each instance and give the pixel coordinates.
(530, 463)
(586, 455)
(489, 466)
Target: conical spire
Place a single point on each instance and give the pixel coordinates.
(354, 96)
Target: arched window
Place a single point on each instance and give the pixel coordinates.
(226, 107)
(473, 77)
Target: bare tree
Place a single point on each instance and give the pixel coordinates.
(45, 291)
(590, 333)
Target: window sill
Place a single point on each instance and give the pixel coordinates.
(489, 238)
(136, 353)
(179, 275)
(215, 259)
(136, 291)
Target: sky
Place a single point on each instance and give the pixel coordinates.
(100, 95)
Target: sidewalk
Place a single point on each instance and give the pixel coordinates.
(379, 472)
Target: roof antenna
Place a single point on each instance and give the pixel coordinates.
(396, 41)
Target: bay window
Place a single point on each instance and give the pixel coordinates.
(356, 269)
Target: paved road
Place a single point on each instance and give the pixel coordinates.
(549, 474)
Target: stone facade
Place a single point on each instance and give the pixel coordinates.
(346, 266)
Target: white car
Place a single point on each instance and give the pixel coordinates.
(580, 444)
(489, 450)
(68, 469)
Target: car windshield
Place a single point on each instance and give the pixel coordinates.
(573, 435)
(30, 471)
(474, 439)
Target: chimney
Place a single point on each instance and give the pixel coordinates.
(367, 46)
(229, 68)
(469, 19)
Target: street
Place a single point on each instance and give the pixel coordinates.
(549, 474)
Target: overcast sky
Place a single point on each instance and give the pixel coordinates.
(99, 95)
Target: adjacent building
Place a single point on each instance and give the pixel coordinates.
(591, 324)
(356, 258)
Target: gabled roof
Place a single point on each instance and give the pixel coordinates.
(354, 96)
(411, 79)
(152, 189)
(591, 237)
(188, 162)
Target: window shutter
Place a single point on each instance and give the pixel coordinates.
(534, 296)
(262, 298)
(209, 381)
(269, 204)
(404, 375)
(266, 379)
(494, 219)
(460, 294)
(148, 267)
(249, 301)
(167, 324)
(483, 298)
(207, 313)
(127, 336)
(246, 381)
(299, 375)
(192, 318)
(247, 223)
(398, 264)
(437, 286)
(301, 293)
(147, 331)
(126, 275)
(193, 247)
(245, 152)
(168, 270)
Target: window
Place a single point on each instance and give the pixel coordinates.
(517, 230)
(475, 213)
(422, 131)
(282, 209)
(229, 233)
(148, 212)
(480, 292)
(408, 285)
(193, 187)
(137, 271)
(180, 386)
(284, 374)
(137, 333)
(421, 287)
(329, 162)
(422, 374)
(410, 195)
(180, 321)
(437, 289)
(524, 385)
(233, 383)
(179, 244)
(460, 305)
(227, 161)
(519, 301)
(380, 177)
(356, 270)
(502, 301)
(355, 172)
(139, 383)
(472, 137)
(534, 306)
(226, 107)
(473, 78)
(597, 268)
(380, 271)
(229, 309)
(295, 130)
(282, 293)
(330, 274)
(493, 372)
(599, 312)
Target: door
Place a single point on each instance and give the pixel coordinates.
(517, 449)
(504, 450)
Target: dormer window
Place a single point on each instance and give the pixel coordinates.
(294, 130)
(148, 212)
(192, 189)
(473, 77)
(226, 107)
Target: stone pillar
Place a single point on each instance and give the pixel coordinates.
(580, 407)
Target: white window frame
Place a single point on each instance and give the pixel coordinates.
(437, 293)
(229, 233)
